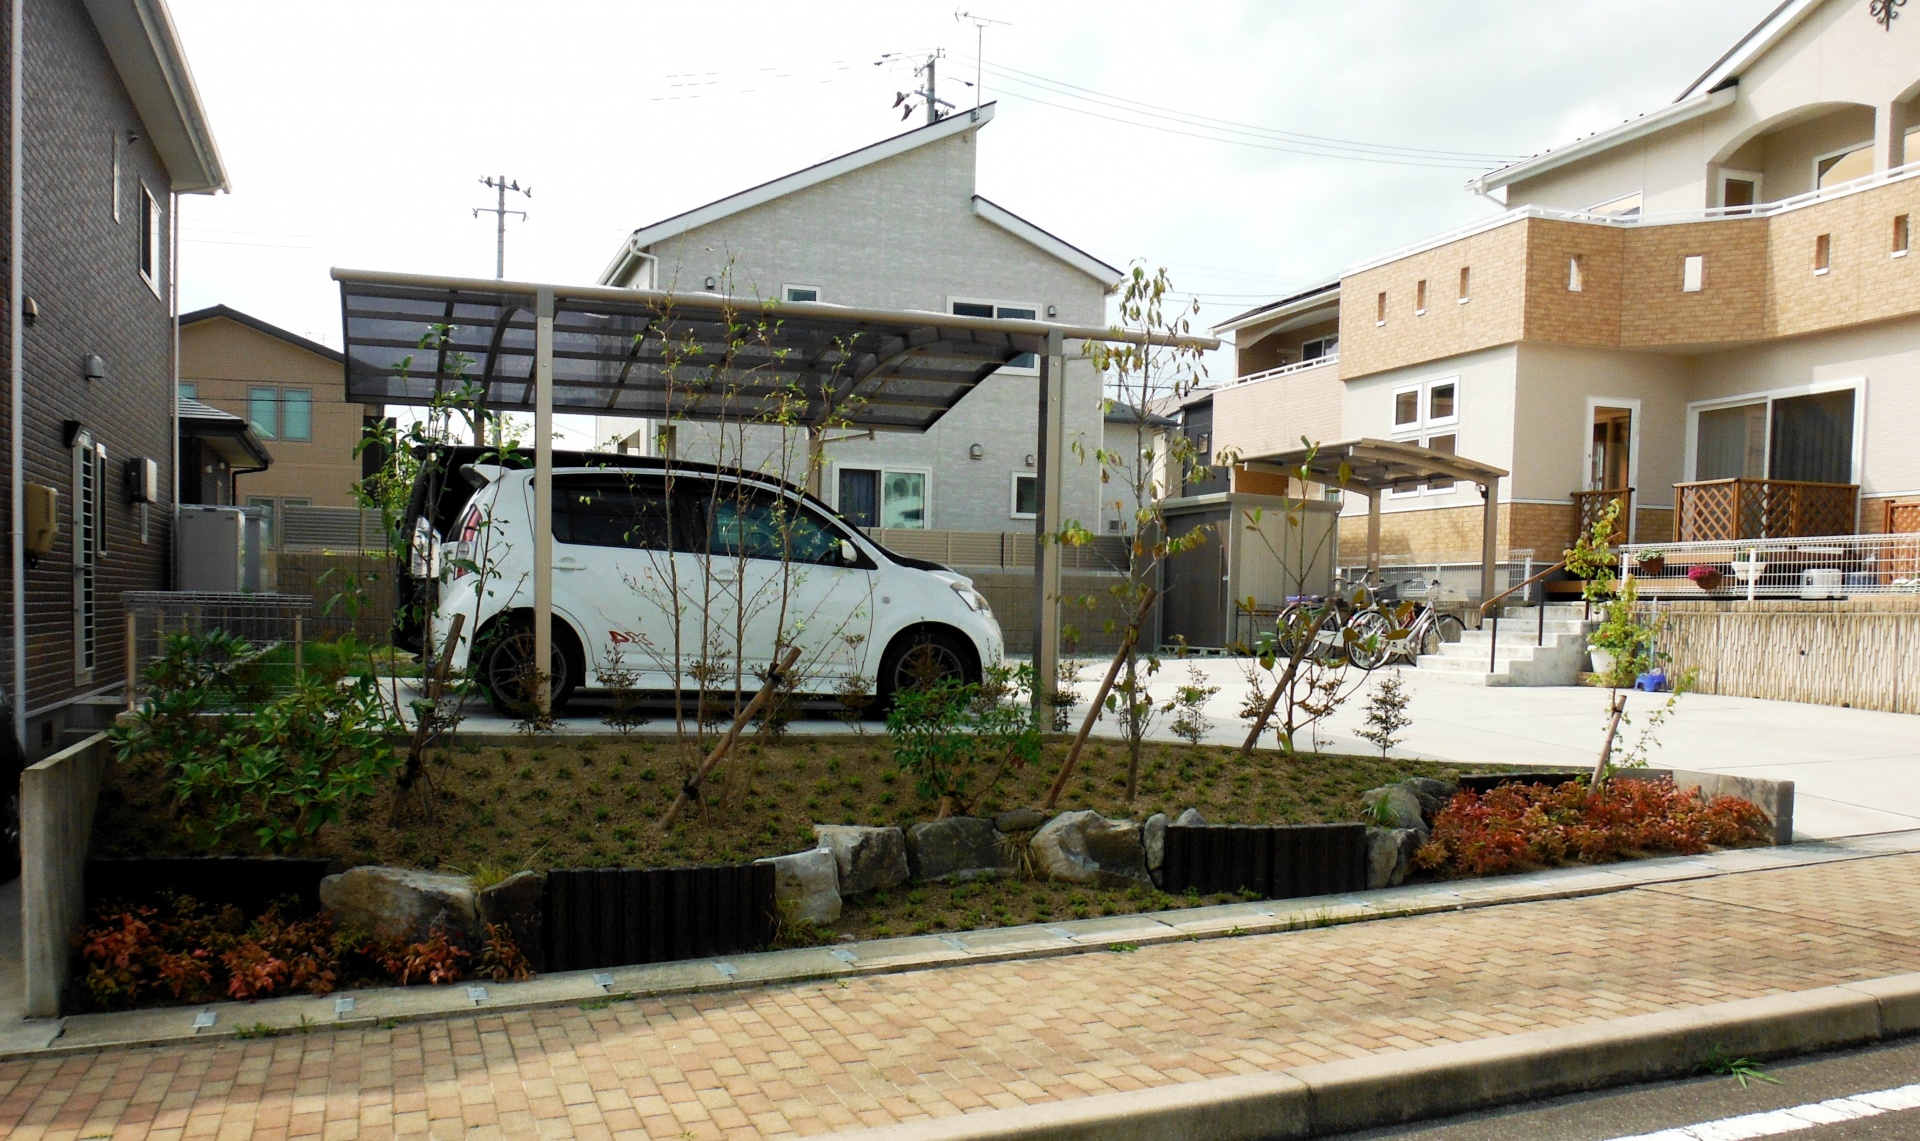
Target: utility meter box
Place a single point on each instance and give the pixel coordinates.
(143, 480)
(43, 518)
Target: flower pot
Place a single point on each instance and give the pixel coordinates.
(1602, 660)
(1654, 565)
(1706, 578)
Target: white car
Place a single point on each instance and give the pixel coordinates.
(666, 576)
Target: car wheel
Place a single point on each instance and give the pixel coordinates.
(506, 670)
(922, 659)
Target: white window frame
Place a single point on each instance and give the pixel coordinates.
(1727, 175)
(1689, 281)
(1419, 407)
(1013, 494)
(1329, 346)
(883, 468)
(1857, 384)
(151, 231)
(1602, 207)
(1634, 425)
(1843, 152)
(115, 136)
(999, 303)
(787, 291)
(1425, 428)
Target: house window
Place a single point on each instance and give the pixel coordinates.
(1466, 284)
(1319, 347)
(89, 541)
(1577, 274)
(114, 142)
(1625, 206)
(1420, 297)
(190, 389)
(888, 498)
(801, 292)
(1025, 362)
(1823, 253)
(1693, 273)
(1739, 191)
(281, 413)
(1837, 167)
(1807, 437)
(1902, 236)
(1427, 415)
(1026, 496)
(149, 239)
(1380, 310)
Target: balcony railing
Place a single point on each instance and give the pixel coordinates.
(1289, 369)
(1724, 510)
(1588, 506)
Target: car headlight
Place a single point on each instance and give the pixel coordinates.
(975, 601)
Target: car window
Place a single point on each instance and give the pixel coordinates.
(612, 512)
(762, 526)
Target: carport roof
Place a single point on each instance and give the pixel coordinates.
(689, 356)
(1370, 466)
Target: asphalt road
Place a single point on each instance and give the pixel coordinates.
(1639, 1110)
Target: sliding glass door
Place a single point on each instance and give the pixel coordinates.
(1805, 438)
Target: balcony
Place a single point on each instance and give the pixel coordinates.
(1289, 369)
(1588, 506)
(1723, 510)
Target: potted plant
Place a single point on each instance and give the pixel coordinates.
(1705, 577)
(1652, 561)
(1622, 643)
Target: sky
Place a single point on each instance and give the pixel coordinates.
(356, 133)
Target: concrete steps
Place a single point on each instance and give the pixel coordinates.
(1532, 649)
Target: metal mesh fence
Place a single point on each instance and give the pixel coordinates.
(278, 625)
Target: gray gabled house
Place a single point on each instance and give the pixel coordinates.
(898, 225)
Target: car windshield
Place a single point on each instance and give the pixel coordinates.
(762, 526)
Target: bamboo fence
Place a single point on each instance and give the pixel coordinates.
(1860, 653)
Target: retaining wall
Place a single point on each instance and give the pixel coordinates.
(57, 799)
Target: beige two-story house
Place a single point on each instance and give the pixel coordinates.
(1709, 311)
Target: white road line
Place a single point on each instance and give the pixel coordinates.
(1799, 1117)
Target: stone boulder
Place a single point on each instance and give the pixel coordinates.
(1389, 855)
(1020, 820)
(1395, 806)
(868, 858)
(806, 886)
(1433, 794)
(1086, 847)
(1191, 818)
(403, 903)
(519, 904)
(1153, 837)
(956, 848)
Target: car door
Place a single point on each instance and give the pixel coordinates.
(616, 538)
(786, 566)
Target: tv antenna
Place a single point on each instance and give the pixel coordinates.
(980, 24)
(500, 212)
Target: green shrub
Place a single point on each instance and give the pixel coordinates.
(958, 740)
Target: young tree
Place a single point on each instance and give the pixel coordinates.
(1387, 713)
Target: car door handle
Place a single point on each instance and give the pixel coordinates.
(569, 565)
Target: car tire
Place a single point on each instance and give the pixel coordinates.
(921, 658)
(506, 650)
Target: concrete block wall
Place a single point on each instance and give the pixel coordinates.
(57, 798)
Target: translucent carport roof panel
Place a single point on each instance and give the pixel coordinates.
(1374, 465)
(638, 353)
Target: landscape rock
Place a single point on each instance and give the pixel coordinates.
(1153, 836)
(1020, 820)
(1086, 847)
(1389, 854)
(1433, 794)
(806, 886)
(1190, 818)
(1403, 808)
(403, 903)
(868, 858)
(956, 848)
(519, 904)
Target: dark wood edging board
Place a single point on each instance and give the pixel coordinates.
(616, 917)
(250, 883)
(1279, 861)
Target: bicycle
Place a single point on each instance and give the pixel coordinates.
(1374, 644)
(1331, 646)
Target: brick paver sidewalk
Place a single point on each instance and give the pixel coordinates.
(813, 1058)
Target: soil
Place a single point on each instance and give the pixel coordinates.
(576, 802)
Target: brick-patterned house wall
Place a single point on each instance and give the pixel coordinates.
(81, 268)
(1454, 532)
(1864, 281)
(1494, 313)
(1555, 311)
(1729, 308)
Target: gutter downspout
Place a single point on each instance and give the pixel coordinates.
(16, 358)
(173, 396)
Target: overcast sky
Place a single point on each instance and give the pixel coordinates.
(356, 132)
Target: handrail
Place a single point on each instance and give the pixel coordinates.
(1288, 369)
(1488, 604)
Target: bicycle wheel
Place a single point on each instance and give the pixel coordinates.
(1289, 630)
(1444, 630)
(1369, 647)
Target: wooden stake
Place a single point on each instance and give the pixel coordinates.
(1286, 682)
(725, 744)
(1618, 706)
(1099, 699)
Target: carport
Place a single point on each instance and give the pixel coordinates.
(701, 356)
(1374, 467)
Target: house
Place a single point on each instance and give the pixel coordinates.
(898, 225)
(216, 448)
(111, 133)
(1709, 312)
(291, 393)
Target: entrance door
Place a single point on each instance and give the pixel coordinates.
(1610, 465)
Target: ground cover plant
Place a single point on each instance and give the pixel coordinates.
(1520, 827)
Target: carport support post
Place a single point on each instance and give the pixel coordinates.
(1489, 536)
(1048, 469)
(543, 501)
(1373, 537)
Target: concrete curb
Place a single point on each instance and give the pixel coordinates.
(1412, 1085)
(392, 1006)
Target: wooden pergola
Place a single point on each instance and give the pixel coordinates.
(596, 350)
(1374, 467)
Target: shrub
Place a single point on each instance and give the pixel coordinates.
(958, 741)
(1516, 826)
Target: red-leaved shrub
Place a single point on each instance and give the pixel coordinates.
(1518, 826)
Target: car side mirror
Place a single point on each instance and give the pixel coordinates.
(849, 554)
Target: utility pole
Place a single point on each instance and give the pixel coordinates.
(500, 212)
(927, 93)
(933, 89)
(979, 47)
